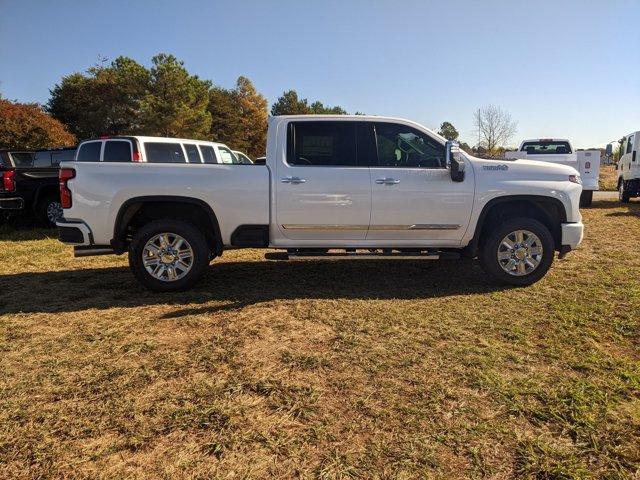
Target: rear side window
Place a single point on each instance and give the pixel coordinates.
(192, 153)
(22, 159)
(208, 154)
(117, 151)
(62, 156)
(42, 159)
(546, 148)
(322, 144)
(89, 152)
(164, 152)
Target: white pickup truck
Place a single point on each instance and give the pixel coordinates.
(560, 150)
(332, 187)
(628, 168)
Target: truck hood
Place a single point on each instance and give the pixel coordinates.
(524, 169)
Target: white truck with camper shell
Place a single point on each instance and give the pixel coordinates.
(332, 187)
(628, 168)
(560, 150)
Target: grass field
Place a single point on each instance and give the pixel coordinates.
(322, 370)
(608, 177)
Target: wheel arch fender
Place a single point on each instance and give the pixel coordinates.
(132, 206)
(541, 204)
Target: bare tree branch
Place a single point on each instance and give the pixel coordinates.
(494, 127)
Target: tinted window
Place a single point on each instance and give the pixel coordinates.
(22, 159)
(117, 151)
(164, 152)
(208, 154)
(322, 144)
(62, 156)
(629, 144)
(546, 148)
(42, 159)
(403, 146)
(192, 153)
(89, 152)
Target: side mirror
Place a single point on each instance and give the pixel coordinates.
(455, 162)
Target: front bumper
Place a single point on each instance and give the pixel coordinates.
(11, 203)
(572, 234)
(74, 232)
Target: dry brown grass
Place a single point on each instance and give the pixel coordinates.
(608, 177)
(322, 370)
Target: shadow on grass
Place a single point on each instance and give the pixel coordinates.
(245, 283)
(24, 228)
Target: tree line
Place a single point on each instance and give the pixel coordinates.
(123, 97)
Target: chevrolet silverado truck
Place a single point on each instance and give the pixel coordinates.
(628, 168)
(332, 187)
(560, 150)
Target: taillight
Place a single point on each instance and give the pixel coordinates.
(65, 175)
(9, 180)
(136, 157)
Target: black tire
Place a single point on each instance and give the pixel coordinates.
(491, 244)
(49, 210)
(586, 198)
(623, 193)
(195, 239)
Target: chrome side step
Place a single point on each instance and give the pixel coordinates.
(364, 254)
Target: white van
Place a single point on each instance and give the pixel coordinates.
(628, 168)
(154, 150)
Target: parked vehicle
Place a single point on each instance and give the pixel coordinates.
(260, 161)
(628, 168)
(138, 149)
(242, 158)
(30, 183)
(376, 187)
(560, 150)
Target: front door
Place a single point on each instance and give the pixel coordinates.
(321, 191)
(413, 196)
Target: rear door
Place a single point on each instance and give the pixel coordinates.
(322, 192)
(413, 196)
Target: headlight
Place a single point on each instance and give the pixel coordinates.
(575, 179)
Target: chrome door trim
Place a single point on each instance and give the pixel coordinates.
(372, 227)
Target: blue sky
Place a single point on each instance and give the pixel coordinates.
(561, 68)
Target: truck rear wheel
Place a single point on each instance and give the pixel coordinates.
(169, 255)
(586, 198)
(517, 252)
(49, 210)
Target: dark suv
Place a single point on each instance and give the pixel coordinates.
(30, 183)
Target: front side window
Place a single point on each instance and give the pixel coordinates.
(62, 156)
(117, 151)
(227, 156)
(242, 158)
(160, 152)
(405, 147)
(629, 144)
(89, 152)
(322, 144)
(192, 153)
(208, 154)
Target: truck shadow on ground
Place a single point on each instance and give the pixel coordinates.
(244, 283)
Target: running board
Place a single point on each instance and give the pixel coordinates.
(380, 254)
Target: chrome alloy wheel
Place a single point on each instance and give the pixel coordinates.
(54, 212)
(520, 253)
(167, 257)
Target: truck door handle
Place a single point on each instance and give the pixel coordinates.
(387, 181)
(294, 180)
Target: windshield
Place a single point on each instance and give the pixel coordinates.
(549, 147)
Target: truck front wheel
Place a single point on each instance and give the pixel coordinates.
(623, 194)
(517, 252)
(168, 255)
